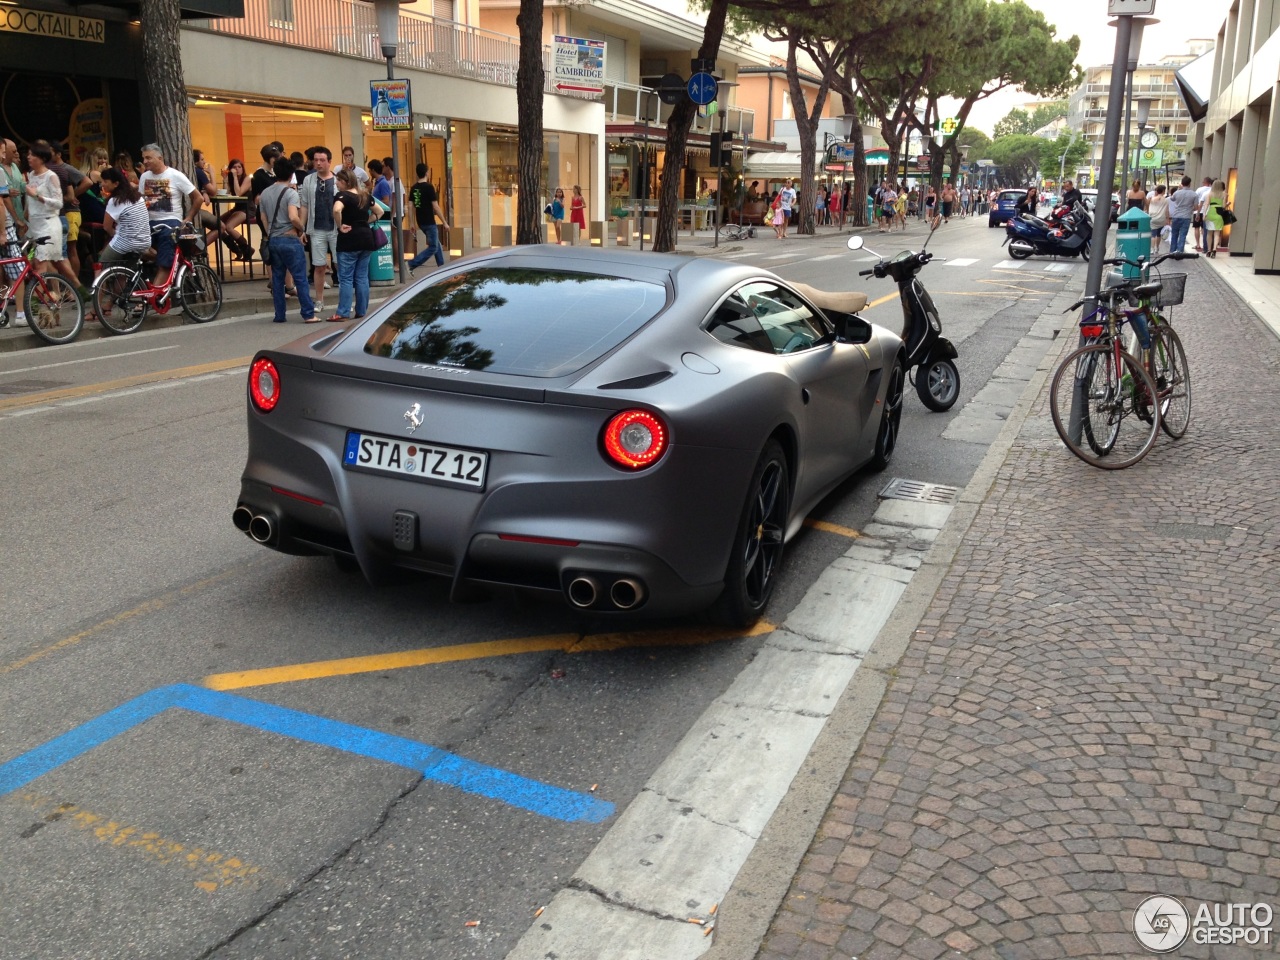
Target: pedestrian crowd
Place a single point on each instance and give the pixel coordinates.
(310, 211)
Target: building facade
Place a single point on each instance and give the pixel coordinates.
(1242, 128)
(1087, 108)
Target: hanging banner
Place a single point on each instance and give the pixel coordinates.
(87, 130)
(578, 65)
(391, 106)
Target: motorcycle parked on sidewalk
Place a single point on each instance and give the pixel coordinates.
(930, 355)
(1070, 236)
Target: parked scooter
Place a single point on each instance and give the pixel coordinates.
(931, 354)
(1072, 236)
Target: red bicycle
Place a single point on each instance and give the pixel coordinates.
(122, 296)
(55, 312)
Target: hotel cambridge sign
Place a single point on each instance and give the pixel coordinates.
(41, 23)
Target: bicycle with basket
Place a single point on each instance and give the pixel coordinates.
(1107, 404)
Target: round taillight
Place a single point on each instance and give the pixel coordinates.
(264, 384)
(635, 439)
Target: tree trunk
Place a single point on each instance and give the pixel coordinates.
(807, 130)
(678, 124)
(162, 66)
(529, 82)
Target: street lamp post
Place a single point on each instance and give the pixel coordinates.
(1135, 51)
(1143, 114)
(388, 14)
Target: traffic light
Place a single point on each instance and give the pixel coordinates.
(722, 149)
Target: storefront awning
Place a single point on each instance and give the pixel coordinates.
(778, 165)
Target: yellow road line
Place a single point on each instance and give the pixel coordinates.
(832, 528)
(69, 393)
(564, 642)
(212, 869)
(149, 606)
(885, 299)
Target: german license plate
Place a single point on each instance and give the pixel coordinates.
(413, 458)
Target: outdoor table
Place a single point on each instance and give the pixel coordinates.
(220, 205)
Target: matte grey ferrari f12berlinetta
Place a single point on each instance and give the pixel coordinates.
(635, 432)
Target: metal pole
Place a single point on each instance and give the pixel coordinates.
(1128, 118)
(1102, 206)
(397, 214)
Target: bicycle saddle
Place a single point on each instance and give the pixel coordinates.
(846, 302)
(1148, 289)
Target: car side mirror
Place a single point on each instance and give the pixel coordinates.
(850, 328)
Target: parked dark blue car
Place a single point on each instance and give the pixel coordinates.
(1005, 207)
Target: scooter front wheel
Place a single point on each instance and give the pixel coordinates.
(938, 384)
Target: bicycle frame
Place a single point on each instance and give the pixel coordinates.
(9, 288)
(157, 296)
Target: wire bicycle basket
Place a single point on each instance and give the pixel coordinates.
(1173, 287)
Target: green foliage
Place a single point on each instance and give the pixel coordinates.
(1014, 123)
(1017, 157)
(1076, 148)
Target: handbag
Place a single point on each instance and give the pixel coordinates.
(379, 238)
(1228, 218)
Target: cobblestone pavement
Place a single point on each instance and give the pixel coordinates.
(1087, 714)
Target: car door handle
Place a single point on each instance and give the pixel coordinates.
(804, 395)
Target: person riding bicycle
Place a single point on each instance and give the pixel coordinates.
(163, 189)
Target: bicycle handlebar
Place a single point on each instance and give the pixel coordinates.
(1142, 264)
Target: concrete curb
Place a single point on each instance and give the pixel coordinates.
(745, 914)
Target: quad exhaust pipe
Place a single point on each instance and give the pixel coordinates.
(625, 593)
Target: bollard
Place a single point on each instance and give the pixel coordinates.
(501, 236)
(602, 233)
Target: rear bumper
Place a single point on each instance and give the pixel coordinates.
(623, 579)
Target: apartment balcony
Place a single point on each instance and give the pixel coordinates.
(628, 103)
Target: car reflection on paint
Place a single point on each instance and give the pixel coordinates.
(631, 432)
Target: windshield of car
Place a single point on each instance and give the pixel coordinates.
(520, 321)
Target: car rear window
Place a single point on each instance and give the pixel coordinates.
(1013, 196)
(521, 321)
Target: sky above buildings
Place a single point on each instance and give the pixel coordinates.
(1180, 21)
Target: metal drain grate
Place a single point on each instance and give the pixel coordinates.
(900, 489)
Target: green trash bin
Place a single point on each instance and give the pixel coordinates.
(382, 272)
(1133, 240)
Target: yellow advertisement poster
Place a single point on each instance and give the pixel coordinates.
(87, 130)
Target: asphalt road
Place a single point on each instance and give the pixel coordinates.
(180, 822)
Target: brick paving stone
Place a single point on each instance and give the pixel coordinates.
(1087, 711)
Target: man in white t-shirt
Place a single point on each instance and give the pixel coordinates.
(1197, 219)
(163, 189)
(787, 200)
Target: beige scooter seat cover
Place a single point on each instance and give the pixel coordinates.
(848, 302)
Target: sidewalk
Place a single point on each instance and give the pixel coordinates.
(1080, 702)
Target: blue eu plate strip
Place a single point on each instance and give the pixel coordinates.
(353, 447)
(433, 763)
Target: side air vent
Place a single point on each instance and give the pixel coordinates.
(637, 383)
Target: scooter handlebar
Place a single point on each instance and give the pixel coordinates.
(865, 273)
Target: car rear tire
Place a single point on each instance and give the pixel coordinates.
(890, 417)
(756, 556)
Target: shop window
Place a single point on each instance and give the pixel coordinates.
(280, 13)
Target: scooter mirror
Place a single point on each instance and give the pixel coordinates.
(855, 243)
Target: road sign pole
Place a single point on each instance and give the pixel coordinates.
(1102, 205)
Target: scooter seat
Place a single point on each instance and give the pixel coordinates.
(1036, 221)
(844, 302)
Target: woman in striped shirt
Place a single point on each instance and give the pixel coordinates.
(126, 220)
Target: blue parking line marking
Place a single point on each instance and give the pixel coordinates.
(433, 763)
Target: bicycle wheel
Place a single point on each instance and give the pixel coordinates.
(731, 231)
(201, 293)
(1167, 364)
(112, 305)
(55, 312)
(1117, 417)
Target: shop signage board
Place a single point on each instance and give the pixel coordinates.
(578, 65)
(1131, 8)
(948, 126)
(842, 152)
(391, 106)
(1149, 159)
(42, 23)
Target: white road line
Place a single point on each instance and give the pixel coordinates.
(962, 262)
(826, 256)
(675, 851)
(63, 363)
(1060, 267)
(783, 256)
(1010, 265)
